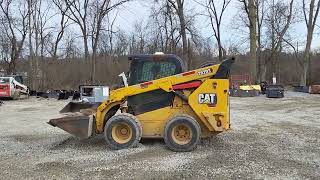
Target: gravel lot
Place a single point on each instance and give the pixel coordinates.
(270, 139)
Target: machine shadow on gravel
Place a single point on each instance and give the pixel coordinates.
(74, 143)
(98, 142)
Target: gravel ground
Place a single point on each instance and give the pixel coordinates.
(270, 139)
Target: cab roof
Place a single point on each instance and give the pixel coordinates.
(156, 57)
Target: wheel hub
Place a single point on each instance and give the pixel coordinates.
(121, 133)
(181, 134)
(124, 131)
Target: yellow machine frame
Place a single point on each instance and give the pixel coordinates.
(212, 119)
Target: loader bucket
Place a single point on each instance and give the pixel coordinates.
(72, 107)
(78, 125)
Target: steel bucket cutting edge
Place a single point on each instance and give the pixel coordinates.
(78, 125)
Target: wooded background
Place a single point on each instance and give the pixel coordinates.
(61, 44)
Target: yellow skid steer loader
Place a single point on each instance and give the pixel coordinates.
(161, 101)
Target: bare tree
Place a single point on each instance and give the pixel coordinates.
(215, 20)
(138, 38)
(31, 54)
(99, 10)
(178, 5)
(15, 25)
(261, 9)
(111, 32)
(253, 39)
(250, 7)
(71, 50)
(165, 26)
(279, 20)
(40, 31)
(63, 24)
(171, 28)
(77, 11)
(120, 45)
(89, 16)
(310, 21)
(161, 32)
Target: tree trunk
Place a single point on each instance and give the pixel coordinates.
(303, 76)
(263, 70)
(190, 63)
(93, 71)
(86, 47)
(30, 73)
(259, 56)
(183, 32)
(220, 48)
(259, 64)
(306, 62)
(309, 75)
(253, 41)
(306, 69)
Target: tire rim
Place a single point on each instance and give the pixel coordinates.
(121, 133)
(181, 134)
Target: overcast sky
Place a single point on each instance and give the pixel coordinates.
(140, 9)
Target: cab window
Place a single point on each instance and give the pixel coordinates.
(4, 80)
(156, 69)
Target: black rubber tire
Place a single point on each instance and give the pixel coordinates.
(130, 120)
(28, 93)
(17, 96)
(192, 124)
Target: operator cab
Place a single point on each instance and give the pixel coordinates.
(146, 68)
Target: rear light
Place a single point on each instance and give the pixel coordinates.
(146, 84)
(4, 87)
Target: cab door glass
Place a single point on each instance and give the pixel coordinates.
(155, 70)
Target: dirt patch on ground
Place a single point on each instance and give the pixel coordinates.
(270, 139)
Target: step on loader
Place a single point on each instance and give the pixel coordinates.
(161, 101)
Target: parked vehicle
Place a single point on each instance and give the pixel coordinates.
(12, 87)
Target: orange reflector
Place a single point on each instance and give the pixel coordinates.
(188, 73)
(146, 84)
(211, 105)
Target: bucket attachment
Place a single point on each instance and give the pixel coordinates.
(79, 119)
(72, 107)
(78, 125)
